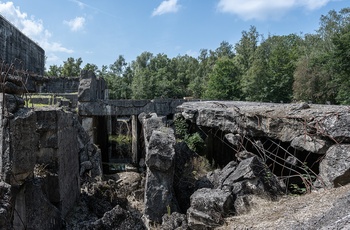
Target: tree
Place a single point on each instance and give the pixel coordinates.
(141, 84)
(91, 67)
(223, 81)
(342, 64)
(282, 61)
(225, 50)
(71, 67)
(185, 69)
(54, 71)
(270, 76)
(246, 47)
(119, 79)
(319, 76)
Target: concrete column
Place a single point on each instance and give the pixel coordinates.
(88, 125)
(135, 133)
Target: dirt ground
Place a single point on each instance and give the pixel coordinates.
(316, 210)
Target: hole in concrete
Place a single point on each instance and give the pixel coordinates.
(296, 168)
(119, 145)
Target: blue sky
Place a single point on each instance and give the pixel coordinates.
(100, 31)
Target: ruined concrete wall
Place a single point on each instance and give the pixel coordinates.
(18, 49)
(60, 153)
(42, 157)
(39, 84)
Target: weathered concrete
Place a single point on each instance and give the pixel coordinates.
(19, 50)
(52, 84)
(160, 156)
(320, 125)
(162, 107)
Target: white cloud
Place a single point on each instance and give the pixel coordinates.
(76, 23)
(32, 28)
(169, 6)
(80, 4)
(264, 9)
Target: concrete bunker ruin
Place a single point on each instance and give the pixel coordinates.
(298, 143)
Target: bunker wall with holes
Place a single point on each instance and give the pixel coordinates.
(299, 142)
(19, 50)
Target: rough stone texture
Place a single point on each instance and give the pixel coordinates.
(162, 107)
(90, 88)
(236, 187)
(89, 154)
(21, 145)
(59, 153)
(185, 183)
(335, 167)
(117, 218)
(160, 154)
(175, 221)
(208, 208)
(251, 176)
(310, 144)
(284, 122)
(34, 210)
(218, 177)
(18, 49)
(5, 205)
(52, 84)
(40, 161)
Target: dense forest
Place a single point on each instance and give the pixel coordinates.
(295, 67)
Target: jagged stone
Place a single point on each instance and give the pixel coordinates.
(234, 139)
(23, 146)
(310, 144)
(160, 155)
(278, 121)
(5, 205)
(218, 177)
(335, 167)
(151, 122)
(184, 180)
(161, 152)
(252, 176)
(117, 218)
(208, 208)
(175, 221)
(35, 210)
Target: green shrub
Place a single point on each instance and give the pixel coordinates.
(181, 127)
(195, 142)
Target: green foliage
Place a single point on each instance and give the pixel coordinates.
(54, 71)
(313, 67)
(223, 83)
(120, 139)
(181, 127)
(195, 142)
(71, 67)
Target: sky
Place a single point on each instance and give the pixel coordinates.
(98, 31)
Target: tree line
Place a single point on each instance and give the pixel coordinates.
(295, 67)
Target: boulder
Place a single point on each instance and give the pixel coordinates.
(218, 177)
(175, 221)
(252, 176)
(161, 152)
(208, 208)
(335, 167)
(310, 144)
(117, 218)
